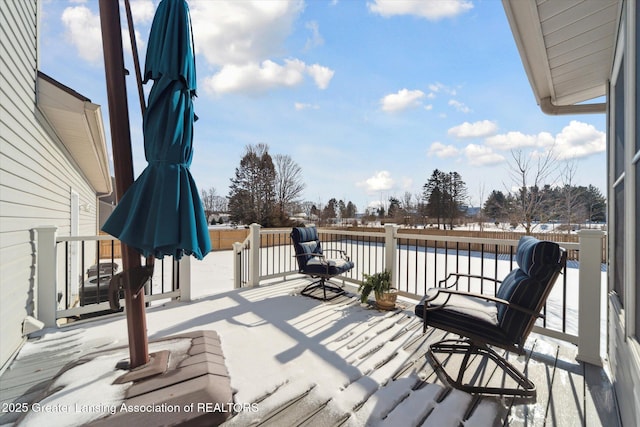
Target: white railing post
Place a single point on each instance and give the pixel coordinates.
(254, 255)
(46, 303)
(589, 305)
(237, 265)
(390, 250)
(184, 268)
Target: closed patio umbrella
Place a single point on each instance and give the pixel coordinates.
(161, 212)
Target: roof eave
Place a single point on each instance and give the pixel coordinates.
(78, 123)
(526, 26)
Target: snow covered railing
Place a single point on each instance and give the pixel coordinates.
(417, 262)
(241, 259)
(264, 254)
(73, 274)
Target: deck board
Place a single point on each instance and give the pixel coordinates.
(541, 374)
(600, 401)
(567, 398)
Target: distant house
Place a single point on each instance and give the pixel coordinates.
(219, 218)
(53, 166)
(574, 52)
(471, 211)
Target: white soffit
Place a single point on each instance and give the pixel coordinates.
(78, 124)
(566, 46)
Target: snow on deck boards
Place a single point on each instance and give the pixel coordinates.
(337, 363)
(407, 392)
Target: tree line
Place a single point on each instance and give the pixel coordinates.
(267, 190)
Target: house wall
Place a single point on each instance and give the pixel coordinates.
(624, 218)
(37, 174)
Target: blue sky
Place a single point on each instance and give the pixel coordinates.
(368, 97)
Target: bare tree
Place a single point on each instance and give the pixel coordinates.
(288, 184)
(481, 214)
(306, 207)
(572, 201)
(208, 201)
(407, 205)
(529, 174)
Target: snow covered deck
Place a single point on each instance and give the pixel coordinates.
(294, 360)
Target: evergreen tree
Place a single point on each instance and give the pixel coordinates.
(456, 196)
(432, 193)
(329, 211)
(445, 195)
(394, 210)
(495, 207)
(252, 190)
(351, 210)
(595, 204)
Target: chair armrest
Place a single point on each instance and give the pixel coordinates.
(320, 256)
(343, 253)
(459, 275)
(316, 255)
(480, 296)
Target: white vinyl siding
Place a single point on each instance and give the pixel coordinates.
(624, 311)
(37, 175)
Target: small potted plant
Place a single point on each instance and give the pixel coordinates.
(380, 284)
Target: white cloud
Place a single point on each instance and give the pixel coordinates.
(431, 10)
(83, 31)
(241, 40)
(375, 204)
(479, 129)
(380, 181)
(315, 39)
(579, 139)
(321, 75)
(441, 88)
(479, 155)
(459, 106)
(302, 106)
(256, 78)
(241, 32)
(442, 151)
(511, 140)
(576, 140)
(402, 100)
(142, 11)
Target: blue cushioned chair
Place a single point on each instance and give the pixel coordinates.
(313, 263)
(503, 321)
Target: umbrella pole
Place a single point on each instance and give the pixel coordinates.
(123, 168)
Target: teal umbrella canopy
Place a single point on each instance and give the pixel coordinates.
(161, 212)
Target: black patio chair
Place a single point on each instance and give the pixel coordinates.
(313, 262)
(504, 321)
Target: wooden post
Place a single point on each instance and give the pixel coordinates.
(237, 265)
(184, 266)
(123, 167)
(254, 255)
(590, 298)
(390, 249)
(47, 274)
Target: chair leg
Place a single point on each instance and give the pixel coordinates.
(336, 291)
(525, 388)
